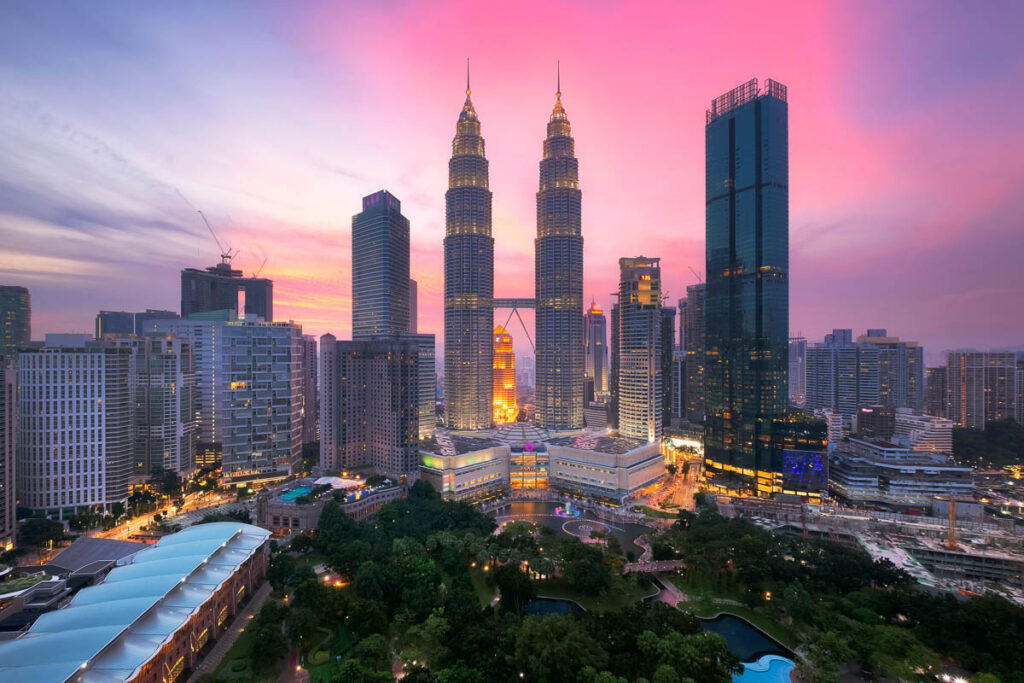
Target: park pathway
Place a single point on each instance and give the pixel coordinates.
(221, 647)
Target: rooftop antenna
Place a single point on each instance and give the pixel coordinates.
(558, 93)
(467, 76)
(225, 255)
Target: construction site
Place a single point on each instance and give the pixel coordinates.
(959, 551)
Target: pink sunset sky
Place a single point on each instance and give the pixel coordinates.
(118, 119)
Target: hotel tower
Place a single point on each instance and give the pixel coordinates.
(468, 279)
(559, 280)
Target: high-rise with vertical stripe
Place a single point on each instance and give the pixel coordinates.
(559, 280)
(468, 279)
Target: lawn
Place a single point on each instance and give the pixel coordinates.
(483, 592)
(237, 666)
(322, 663)
(660, 514)
(702, 605)
(623, 594)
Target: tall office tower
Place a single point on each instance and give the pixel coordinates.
(613, 371)
(798, 371)
(639, 342)
(900, 370)
(595, 339)
(936, 398)
(468, 279)
(842, 374)
(426, 379)
(217, 289)
(8, 453)
(559, 279)
(380, 267)
(310, 412)
(414, 307)
(1020, 392)
(678, 383)
(164, 414)
(693, 344)
(505, 407)
(369, 417)
(248, 394)
(747, 266)
(74, 427)
(144, 321)
(981, 387)
(115, 324)
(668, 347)
(15, 318)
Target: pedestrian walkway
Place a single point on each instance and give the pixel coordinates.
(227, 640)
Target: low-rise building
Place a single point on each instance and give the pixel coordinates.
(296, 506)
(597, 465)
(866, 472)
(924, 432)
(152, 618)
(463, 465)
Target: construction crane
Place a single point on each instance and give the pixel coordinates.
(260, 269)
(225, 255)
(700, 278)
(951, 540)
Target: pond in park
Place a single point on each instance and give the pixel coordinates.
(744, 640)
(548, 515)
(544, 606)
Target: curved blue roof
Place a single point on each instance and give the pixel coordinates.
(110, 630)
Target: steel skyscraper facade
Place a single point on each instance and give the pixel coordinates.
(505, 407)
(639, 346)
(15, 318)
(559, 280)
(747, 266)
(468, 279)
(380, 267)
(595, 326)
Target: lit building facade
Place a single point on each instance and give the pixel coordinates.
(638, 343)
(114, 324)
(15, 318)
(8, 453)
(936, 398)
(248, 393)
(924, 432)
(747, 270)
(310, 409)
(900, 370)
(595, 339)
(559, 280)
(981, 387)
(369, 401)
(74, 428)
(842, 374)
(380, 267)
(468, 279)
(217, 288)
(798, 371)
(164, 407)
(505, 406)
(693, 344)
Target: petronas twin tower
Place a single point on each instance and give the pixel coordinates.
(469, 280)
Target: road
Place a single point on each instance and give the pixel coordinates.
(193, 511)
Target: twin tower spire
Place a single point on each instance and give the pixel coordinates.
(469, 279)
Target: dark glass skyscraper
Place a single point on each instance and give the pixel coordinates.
(380, 267)
(595, 326)
(468, 279)
(559, 280)
(15, 318)
(747, 265)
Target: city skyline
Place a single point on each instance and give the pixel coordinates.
(98, 169)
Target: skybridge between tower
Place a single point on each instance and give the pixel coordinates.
(515, 304)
